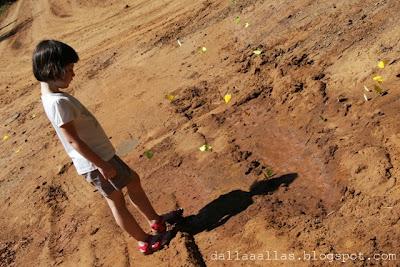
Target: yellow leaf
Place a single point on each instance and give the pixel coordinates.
(246, 25)
(382, 64)
(6, 137)
(257, 52)
(378, 79)
(227, 98)
(205, 148)
(170, 97)
(203, 49)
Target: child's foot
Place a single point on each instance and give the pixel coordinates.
(154, 243)
(170, 217)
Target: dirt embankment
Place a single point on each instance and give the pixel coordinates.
(301, 162)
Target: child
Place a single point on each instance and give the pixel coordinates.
(89, 148)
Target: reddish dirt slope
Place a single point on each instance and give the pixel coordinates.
(297, 111)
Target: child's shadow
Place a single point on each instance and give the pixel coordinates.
(220, 210)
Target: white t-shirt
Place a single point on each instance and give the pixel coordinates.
(62, 108)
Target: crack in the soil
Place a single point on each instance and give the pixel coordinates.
(195, 255)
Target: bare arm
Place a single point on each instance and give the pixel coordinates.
(105, 168)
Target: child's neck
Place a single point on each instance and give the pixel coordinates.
(46, 88)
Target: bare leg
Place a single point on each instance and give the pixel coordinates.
(140, 200)
(123, 217)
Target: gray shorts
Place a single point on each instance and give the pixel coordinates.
(124, 176)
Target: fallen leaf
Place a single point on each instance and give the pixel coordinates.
(149, 154)
(257, 52)
(179, 43)
(382, 64)
(227, 98)
(237, 20)
(246, 25)
(6, 137)
(205, 148)
(170, 97)
(268, 173)
(203, 49)
(378, 79)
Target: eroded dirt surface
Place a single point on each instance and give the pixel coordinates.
(300, 161)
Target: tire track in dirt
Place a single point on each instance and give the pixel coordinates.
(21, 38)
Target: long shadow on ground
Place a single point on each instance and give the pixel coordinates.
(220, 210)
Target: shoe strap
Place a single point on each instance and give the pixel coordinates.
(158, 226)
(144, 248)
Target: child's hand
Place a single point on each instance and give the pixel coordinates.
(107, 170)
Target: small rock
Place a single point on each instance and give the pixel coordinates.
(318, 76)
(94, 231)
(298, 87)
(176, 162)
(342, 98)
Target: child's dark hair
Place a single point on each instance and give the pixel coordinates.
(50, 58)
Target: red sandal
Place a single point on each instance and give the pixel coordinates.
(154, 243)
(172, 217)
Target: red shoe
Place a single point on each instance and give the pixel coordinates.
(154, 243)
(159, 226)
(171, 217)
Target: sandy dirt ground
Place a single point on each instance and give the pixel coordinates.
(303, 169)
